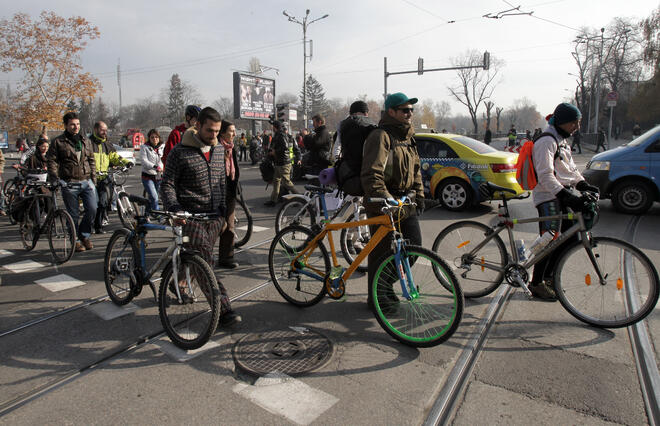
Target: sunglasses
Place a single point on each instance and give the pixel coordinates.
(406, 110)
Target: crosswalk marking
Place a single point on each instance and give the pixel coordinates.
(182, 355)
(5, 253)
(59, 282)
(255, 228)
(24, 266)
(109, 311)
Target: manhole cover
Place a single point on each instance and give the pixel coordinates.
(291, 352)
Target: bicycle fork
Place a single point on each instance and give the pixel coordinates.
(408, 288)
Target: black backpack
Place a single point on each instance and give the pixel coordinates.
(349, 165)
(267, 170)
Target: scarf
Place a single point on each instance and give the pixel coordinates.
(229, 158)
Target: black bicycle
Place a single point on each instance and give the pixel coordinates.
(243, 221)
(41, 199)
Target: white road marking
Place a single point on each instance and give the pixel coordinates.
(24, 266)
(109, 311)
(288, 397)
(255, 228)
(59, 282)
(5, 253)
(182, 355)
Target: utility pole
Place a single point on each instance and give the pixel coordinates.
(304, 25)
(119, 85)
(600, 67)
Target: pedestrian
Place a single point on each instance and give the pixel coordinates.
(557, 176)
(512, 135)
(280, 151)
(242, 144)
(528, 135)
(2, 195)
(152, 166)
(636, 131)
(319, 146)
(576, 142)
(71, 160)
(232, 171)
(391, 169)
(255, 146)
(601, 138)
(190, 117)
(194, 181)
(488, 136)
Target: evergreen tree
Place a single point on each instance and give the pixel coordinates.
(175, 100)
(316, 101)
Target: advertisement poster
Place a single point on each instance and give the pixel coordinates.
(254, 97)
(4, 139)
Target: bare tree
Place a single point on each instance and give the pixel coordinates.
(442, 110)
(287, 98)
(475, 84)
(489, 107)
(254, 66)
(525, 115)
(224, 105)
(498, 114)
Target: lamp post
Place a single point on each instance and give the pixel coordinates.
(600, 66)
(304, 25)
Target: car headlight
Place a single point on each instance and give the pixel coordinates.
(599, 165)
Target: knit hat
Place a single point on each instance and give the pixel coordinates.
(565, 113)
(359, 106)
(396, 99)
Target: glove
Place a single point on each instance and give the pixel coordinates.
(567, 198)
(421, 206)
(584, 186)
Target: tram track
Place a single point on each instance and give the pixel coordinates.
(445, 405)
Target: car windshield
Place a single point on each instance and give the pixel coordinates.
(644, 136)
(475, 145)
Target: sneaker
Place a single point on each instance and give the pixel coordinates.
(269, 203)
(105, 222)
(79, 247)
(543, 291)
(229, 318)
(227, 263)
(100, 231)
(86, 243)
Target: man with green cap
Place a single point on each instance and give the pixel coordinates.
(391, 169)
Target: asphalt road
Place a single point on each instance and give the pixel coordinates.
(538, 364)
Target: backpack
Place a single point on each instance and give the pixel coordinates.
(525, 172)
(347, 175)
(267, 170)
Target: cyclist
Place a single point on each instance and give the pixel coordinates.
(557, 175)
(391, 169)
(194, 181)
(190, 116)
(105, 156)
(71, 159)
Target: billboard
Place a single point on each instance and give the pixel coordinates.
(4, 139)
(254, 97)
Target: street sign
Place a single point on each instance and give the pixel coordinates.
(611, 103)
(612, 96)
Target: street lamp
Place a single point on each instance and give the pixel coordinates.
(304, 25)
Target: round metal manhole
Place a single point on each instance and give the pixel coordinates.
(292, 352)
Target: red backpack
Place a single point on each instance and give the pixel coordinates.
(525, 172)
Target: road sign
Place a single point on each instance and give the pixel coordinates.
(611, 103)
(612, 96)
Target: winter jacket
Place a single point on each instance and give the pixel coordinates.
(352, 132)
(190, 182)
(105, 155)
(150, 158)
(173, 139)
(63, 160)
(553, 172)
(390, 162)
(319, 146)
(283, 146)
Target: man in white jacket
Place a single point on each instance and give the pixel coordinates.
(557, 175)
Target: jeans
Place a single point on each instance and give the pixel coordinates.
(152, 187)
(85, 191)
(103, 192)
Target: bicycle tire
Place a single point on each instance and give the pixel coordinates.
(295, 211)
(613, 304)
(191, 322)
(298, 289)
(453, 244)
(353, 240)
(119, 265)
(243, 224)
(29, 226)
(127, 210)
(420, 321)
(121, 177)
(11, 197)
(61, 236)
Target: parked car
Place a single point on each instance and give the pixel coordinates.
(125, 153)
(453, 167)
(629, 174)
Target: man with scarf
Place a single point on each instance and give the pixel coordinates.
(558, 176)
(391, 169)
(105, 156)
(195, 181)
(71, 160)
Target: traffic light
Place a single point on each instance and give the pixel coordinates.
(486, 60)
(281, 111)
(420, 66)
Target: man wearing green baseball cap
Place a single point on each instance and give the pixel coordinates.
(391, 169)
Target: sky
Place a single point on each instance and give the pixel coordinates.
(205, 41)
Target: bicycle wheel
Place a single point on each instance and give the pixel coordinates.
(297, 288)
(295, 211)
(12, 195)
(29, 226)
(426, 318)
(127, 211)
(353, 240)
(191, 321)
(481, 272)
(119, 266)
(630, 290)
(61, 236)
(121, 177)
(242, 224)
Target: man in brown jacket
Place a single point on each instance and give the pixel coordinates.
(71, 160)
(391, 169)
